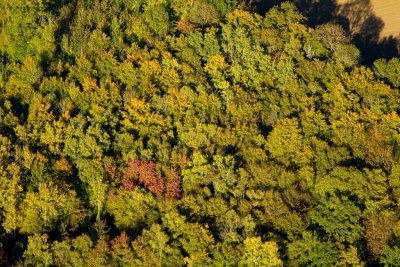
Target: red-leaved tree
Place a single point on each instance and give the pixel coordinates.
(173, 184)
(144, 173)
(121, 240)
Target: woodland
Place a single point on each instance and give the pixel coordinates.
(193, 133)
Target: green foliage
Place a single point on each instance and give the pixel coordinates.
(46, 209)
(339, 218)
(10, 191)
(132, 209)
(312, 252)
(391, 256)
(388, 70)
(224, 6)
(152, 248)
(195, 239)
(257, 253)
(286, 145)
(37, 252)
(73, 252)
(27, 29)
(157, 18)
(203, 13)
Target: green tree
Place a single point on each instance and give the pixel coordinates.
(390, 256)
(339, 218)
(257, 253)
(285, 143)
(312, 252)
(38, 251)
(11, 192)
(45, 210)
(388, 70)
(153, 248)
(132, 209)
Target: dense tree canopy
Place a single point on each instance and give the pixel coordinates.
(193, 133)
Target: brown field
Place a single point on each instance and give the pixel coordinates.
(386, 11)
(389, 12)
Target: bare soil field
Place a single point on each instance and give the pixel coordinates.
(389, 12)
(385, 12)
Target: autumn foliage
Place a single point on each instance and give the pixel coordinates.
(144, 173)
(193, 133)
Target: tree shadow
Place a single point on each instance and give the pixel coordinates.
(358, 19)
(263, 6)
(361, 23)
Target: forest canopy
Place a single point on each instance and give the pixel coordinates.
(193, 133)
